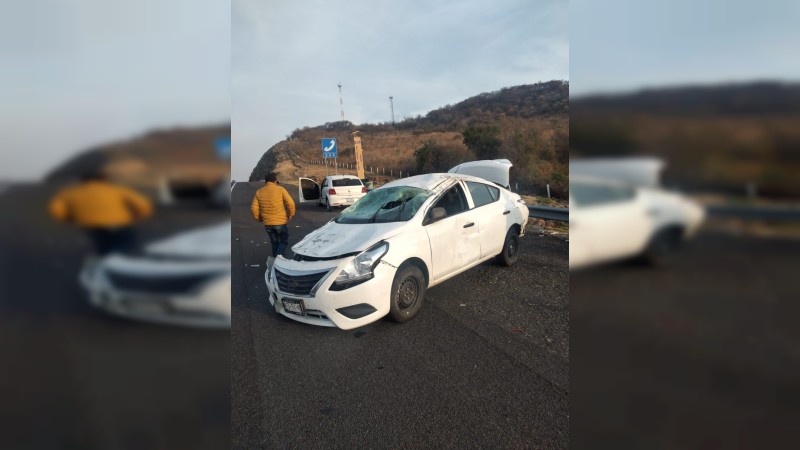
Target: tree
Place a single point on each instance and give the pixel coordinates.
(482, 140)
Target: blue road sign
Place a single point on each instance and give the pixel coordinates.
(329, 148)
(223, 147)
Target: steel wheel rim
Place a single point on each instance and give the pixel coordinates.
(407, 293)
(512, 249)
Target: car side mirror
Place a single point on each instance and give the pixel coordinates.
(437, 214)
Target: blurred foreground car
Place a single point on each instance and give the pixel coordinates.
(335, 190)
(381, 254)
(618, 210)
(182, 280)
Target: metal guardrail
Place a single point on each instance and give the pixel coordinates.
(773, 213)
(549, 213)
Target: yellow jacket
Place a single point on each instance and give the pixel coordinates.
(99, 204)
(270, 203)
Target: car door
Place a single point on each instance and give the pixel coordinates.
(492, 217)
(308, 190)
(607, 222)
(454, 240)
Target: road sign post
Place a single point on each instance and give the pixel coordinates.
(222, 145)
(329, 148)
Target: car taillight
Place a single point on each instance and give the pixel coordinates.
(331, 191)
(363, 189)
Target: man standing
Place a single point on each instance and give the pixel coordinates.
(105, 210)
(269, 206)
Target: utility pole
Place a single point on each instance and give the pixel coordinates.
(391, 105)
(341, 102)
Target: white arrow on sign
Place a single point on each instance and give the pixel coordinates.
(330, 147)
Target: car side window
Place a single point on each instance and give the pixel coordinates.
(586, 195)
(481, 193)
(453, 201)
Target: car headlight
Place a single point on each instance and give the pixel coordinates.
(360, 268)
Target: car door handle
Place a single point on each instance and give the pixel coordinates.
(507, 212)
(469, 224)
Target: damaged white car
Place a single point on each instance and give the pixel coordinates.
(618, 210)
(182, 280)
(380, 255)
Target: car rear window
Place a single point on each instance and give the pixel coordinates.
(482, 194)
(347, 182)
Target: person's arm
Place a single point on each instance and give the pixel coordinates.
(58, 208)
(139, 204)
(289, 203)
(255, 208)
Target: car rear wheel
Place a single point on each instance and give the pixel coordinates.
(510, 252)
(408, 292)
(662, 248)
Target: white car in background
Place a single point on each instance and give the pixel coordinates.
(335, 190)
(618, 210)
(380, 255)
(182, 280)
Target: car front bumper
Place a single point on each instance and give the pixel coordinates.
(347, 309)
(208, 306)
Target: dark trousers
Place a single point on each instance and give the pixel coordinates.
(278, 237)
(112, 240)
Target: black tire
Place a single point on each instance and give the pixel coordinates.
(510, 253)
(327, 205)
(408, 292)
(661, 250)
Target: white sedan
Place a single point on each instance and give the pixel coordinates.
(618, 210)
(380, 255)
(335, 190)
(182, 280)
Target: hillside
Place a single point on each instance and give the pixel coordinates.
(180, 156)
(527, 124)
(718, 138)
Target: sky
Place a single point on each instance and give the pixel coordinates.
(624, 45)
(289, 56)
(87, 72)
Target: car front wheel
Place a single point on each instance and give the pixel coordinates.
(408, 291)
(510, 252)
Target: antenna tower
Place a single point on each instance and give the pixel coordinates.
(341, 102)
(391, 105)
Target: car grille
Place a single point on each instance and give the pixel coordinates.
(173, 284)
(298, 284)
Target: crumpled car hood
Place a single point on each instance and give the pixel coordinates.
(208, 242)
(335, 239)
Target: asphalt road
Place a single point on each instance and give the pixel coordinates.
(72, 377)
(485, 364)
(704, 354)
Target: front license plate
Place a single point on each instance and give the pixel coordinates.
(148, 306)
(293, 306)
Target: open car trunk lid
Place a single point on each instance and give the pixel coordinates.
(638, 171)
(495, 170)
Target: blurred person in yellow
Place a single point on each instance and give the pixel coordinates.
(273, 207)
(105, 210)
